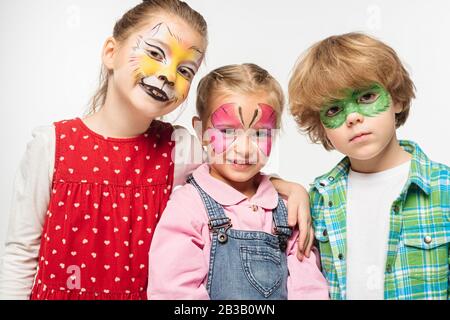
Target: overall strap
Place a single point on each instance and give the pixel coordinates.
(280, 219)
(217, 217)
(218, 223)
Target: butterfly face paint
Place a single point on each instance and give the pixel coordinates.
(369, 102)
(228, 125)
(163, 65)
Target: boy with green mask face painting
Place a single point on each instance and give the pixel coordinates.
(382, 215)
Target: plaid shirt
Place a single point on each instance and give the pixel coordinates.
(417, 265)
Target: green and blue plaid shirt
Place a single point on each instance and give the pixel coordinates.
(417, 265)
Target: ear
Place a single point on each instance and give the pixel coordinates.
(197, 124)
(109, 53)
(397, 107)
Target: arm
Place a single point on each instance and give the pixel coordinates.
(31, 195)
(187, 154)
(298, 212)
(305, 281)
(179, 253)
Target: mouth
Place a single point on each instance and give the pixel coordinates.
(154, 92)
(240, 164)
(360, 137)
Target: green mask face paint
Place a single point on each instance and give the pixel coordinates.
(368, 102)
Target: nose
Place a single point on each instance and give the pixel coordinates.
(166, 81)
(244, 148)
(354, 118)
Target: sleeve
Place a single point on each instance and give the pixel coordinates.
(31, 194)
(187, 155)
(179, 253)
(305, 281)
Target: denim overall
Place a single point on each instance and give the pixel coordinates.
(247, 265)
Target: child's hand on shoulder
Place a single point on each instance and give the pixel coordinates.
(298, 213)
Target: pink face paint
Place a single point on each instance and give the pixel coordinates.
(225, 117)
(228, 123)
(224, 121)
(264, 126)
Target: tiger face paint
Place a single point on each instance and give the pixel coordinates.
(164, 65)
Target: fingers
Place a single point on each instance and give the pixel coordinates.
(293, 208)
(310, 244)
(301, 242)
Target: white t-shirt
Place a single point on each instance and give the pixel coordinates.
(369, 201)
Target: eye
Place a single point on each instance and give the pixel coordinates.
(155, 54)
(228, 132)
(367, 98)
(262, 133)
(332, 111)
(186, 72)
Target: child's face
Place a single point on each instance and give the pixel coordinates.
(239, 134)
(155, 66)
(362, 124)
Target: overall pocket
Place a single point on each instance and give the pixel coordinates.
(262, 267)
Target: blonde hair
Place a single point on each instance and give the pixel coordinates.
(247, 78)
(352, 60)
(137, 17)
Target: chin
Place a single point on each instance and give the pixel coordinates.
(151, 108)
(239, 176)
(365, 153)
(153, 111)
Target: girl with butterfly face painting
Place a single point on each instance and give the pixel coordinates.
(90, 191)
(225, 234)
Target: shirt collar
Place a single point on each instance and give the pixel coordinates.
(266, 196)
(419, 172)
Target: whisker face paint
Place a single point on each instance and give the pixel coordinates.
(229, 125)
(163, 65)
(368, 102)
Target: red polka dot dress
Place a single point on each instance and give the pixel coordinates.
(106, 199)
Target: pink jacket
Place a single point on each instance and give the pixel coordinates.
(180, 250)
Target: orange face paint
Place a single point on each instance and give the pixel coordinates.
(164, 66)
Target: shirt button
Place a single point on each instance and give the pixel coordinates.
(389, 269)
(396, 209)
(325, 233)
(341, 256)
(330, 203)
(254, 208)
(427, 239)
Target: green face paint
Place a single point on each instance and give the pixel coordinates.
(368, 102)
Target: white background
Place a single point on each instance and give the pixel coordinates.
(50, 59)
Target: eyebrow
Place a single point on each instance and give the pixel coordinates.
(224, 125)
(196, 49)
(156, 47)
